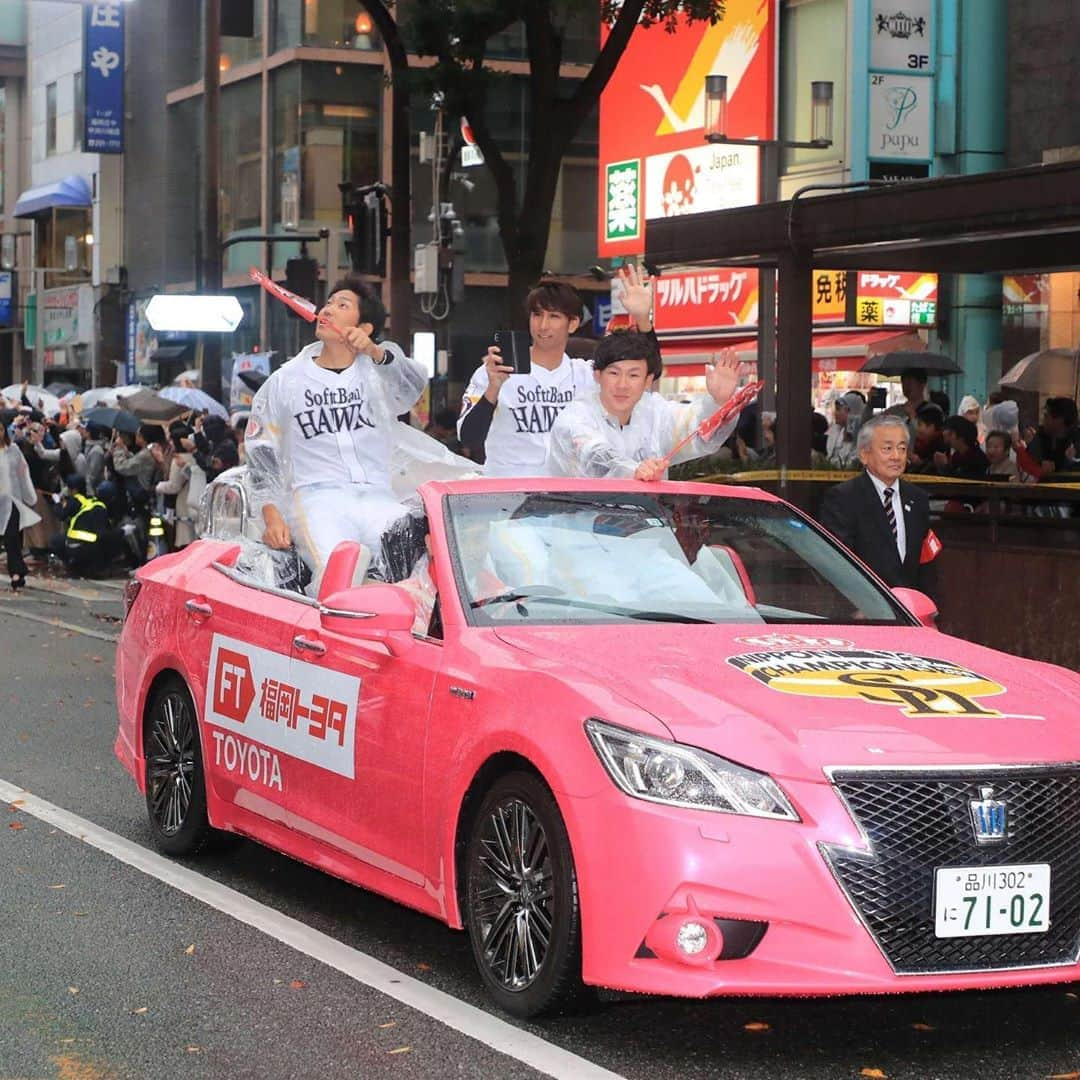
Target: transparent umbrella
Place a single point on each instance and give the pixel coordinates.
(1051, 372)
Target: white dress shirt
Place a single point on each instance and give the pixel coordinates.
(898, 511)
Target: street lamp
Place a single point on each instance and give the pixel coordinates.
(821, 99)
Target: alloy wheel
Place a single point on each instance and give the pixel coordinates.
(514, 894)
(170, 762)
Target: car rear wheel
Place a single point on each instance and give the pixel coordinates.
(175, 785)
(522, 909)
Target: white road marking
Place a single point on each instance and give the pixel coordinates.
(60, 624)
(74, 591)
(498, 1034)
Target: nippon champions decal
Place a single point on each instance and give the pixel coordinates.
(919, 686)
(274, 702)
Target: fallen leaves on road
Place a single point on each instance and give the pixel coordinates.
(423, 967)
(16, 825)
(190, 950)
(16, 803)
(140, 1010)
(389, 1024)
(401, 1050)
(924, 1027)
(73, 989)
(874, 1074)
(1065, 1076)
(194, 1049)
(297, 984)
(57, 886)
(80, 914)
(756, 1025)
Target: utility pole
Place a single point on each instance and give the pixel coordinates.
(209, 271)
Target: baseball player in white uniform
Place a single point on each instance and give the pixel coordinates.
(622, 431)
(320, 437)
(509, 416)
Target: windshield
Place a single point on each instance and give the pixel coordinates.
(585, 557)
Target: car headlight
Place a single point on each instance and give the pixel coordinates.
(667, 772)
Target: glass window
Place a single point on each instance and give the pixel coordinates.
(80, 110)
(241, 156)
(50, 118)
(238, 50)
(183, 185)
(340, 24)
(813, 46)
(596, 557)
(325, 132)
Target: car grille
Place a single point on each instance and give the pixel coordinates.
(918, 822)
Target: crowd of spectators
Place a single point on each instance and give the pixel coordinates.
(118, 477)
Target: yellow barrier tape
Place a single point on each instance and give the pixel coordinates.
(835, 476)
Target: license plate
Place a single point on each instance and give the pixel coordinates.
(977, 901)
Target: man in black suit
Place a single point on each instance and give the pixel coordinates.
(880, 517)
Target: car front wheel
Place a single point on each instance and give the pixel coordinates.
(522, 909)
(175, 786)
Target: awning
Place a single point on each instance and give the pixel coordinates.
(71, 191)
(833, 350)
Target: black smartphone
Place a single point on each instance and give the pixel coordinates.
(514, 346)
(878, 397)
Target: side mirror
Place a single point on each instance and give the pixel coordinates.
(345, 568)
(382, 613)
(919, 604)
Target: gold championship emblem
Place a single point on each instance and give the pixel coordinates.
(917, 685)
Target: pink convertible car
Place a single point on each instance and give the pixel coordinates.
(667, 738)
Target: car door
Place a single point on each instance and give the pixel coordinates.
(237, 639)
(374, 813)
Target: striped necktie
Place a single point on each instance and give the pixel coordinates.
(890, 514)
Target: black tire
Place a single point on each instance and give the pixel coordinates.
(521, 908)
(175, 784)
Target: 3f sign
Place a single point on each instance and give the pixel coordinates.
(918, 61)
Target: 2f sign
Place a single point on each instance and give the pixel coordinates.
(918, 61)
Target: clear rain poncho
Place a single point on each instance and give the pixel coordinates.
(586, 441)
(326, 450)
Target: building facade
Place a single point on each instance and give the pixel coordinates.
(304, 108)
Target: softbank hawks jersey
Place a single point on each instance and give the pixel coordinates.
(528, 405)
(313, 426)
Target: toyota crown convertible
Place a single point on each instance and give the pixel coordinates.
(666, 738)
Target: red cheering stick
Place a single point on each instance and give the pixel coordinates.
(732, 407)
(304, 308)
(930, 548)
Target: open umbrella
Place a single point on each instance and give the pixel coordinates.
(101, 395)
(38, 396)
(895, 363)
(1052, 372)
(193, 398)
(62, 389)
(147, 405)
(252, 379)
(111, 418)
(191, 377)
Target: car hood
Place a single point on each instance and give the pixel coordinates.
(793, 700)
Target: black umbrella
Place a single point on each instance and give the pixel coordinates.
(896, 363)
(116, 419)
(147, 405)
(252, 379)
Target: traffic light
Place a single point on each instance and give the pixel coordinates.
(365, 212)
(301, 277)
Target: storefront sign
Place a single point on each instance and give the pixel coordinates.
(5, 298)
(706, 301)
(897, 172)
(901, 109)
(900, 35)
(622, 201)
(895, 298)
(103, 78)
(129, 343)
(653, 108)
(699, 179)
(61, 317)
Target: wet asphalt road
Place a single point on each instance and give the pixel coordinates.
(106, 972)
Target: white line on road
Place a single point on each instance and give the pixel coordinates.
(47, 621)
(58, 588)
(530, 1049)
